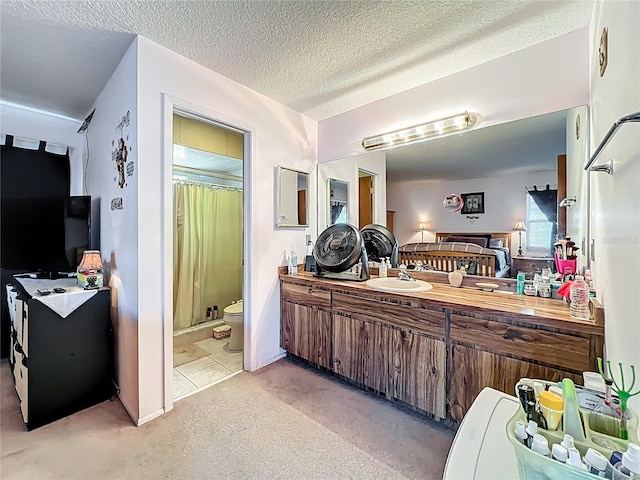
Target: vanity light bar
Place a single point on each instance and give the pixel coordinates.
(417, 133)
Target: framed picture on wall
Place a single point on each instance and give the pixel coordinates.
(472, 203)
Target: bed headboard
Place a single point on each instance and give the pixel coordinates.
(504, 236)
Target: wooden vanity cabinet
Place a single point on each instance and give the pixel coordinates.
(431, 354)
(496, 354)
(306, 323)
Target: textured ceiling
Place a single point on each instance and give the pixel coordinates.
(321, 58)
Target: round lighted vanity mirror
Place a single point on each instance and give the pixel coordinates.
(452, 203)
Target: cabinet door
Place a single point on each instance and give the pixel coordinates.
(361, 352)
(472, 370)
(306, 333)
(418, 372)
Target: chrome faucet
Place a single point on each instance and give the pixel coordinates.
(402, 274)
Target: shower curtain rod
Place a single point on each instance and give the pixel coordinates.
(214, 186)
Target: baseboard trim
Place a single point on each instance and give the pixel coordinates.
(127, 407)
(151, 416)
(272, 359)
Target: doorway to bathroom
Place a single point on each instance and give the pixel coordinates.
(208, 267)
(366, 189)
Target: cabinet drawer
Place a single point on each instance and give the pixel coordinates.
(306, 295)
(565, 351)
(408, 317)
(21, 374)
(11, 303)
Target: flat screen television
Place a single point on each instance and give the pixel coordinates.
(45, 235)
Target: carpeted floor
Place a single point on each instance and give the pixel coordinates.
(283, 421)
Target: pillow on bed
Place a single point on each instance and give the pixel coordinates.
(480, 241)
(496, 243)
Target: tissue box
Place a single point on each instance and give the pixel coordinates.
(221, 332)
(90, 279)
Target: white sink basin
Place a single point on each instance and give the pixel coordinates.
(397, 285)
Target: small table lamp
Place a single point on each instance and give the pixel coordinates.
(90, 270)
(519, 227)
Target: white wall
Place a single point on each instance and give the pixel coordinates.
(119, 228)
(281, 137)
(614, 199)
(504, 198)
(577, 182)
(39, 125)
(347, 170)
(543, 78)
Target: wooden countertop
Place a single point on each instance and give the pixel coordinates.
(523, 309)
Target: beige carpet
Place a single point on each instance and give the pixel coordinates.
(285, 421)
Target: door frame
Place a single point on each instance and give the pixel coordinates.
(374, 184)
(171, 105)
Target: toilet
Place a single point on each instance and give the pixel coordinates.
(234, 317)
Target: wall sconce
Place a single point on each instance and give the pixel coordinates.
(519, 227)
(420, 132)
(567, 202)
(421, 228)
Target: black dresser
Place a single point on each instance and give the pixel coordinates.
(61, 353)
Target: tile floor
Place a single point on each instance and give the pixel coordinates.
(201, 364)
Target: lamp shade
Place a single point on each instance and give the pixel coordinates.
(519, 226)
(90, 261)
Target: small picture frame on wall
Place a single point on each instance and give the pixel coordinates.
(472, 203)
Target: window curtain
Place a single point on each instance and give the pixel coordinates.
(547, 202)
(207, 252)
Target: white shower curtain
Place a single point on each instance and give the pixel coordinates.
(207, 252)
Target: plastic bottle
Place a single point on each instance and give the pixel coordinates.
(571, 419)
(567, 442)
(596, 463)
(521, 433)
(540, 445)
(382, 269)
(532, 430)
(629, 467)
(604, 419)
(579, 294)
(574, 460)
(559, 453)
(293, 262)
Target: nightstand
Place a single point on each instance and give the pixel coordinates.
(531, 265)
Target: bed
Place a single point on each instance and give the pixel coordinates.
(450, 251)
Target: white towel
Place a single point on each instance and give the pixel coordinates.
(61, 303)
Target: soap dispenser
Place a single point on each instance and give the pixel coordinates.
(382, 269)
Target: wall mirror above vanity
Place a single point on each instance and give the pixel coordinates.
(292, 205)
(502, 161)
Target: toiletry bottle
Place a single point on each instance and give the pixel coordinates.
(293, 262)
(596, 463)
(604, 418)
(574, 460)
(629, 467)
(571, 419)
(532, 429)
(540, 445)
(382, 269)
(559, 453)
(567, 442)
(521, 433)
